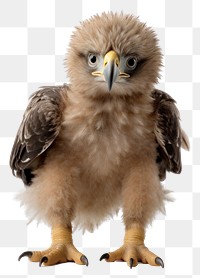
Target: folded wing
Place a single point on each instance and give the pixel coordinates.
(39, 128)
(169, 135)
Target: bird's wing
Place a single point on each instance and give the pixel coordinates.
(40, 126)
(169, 135)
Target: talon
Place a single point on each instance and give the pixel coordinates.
(159, 261)
(25, 254)
(105, 256)
(84, 260)
(131, 263)
(43, 260)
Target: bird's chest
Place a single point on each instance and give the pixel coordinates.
(102, 143)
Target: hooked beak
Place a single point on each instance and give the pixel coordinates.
(111, 69)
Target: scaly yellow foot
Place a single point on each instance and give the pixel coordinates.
(62, 250)
(133, 250)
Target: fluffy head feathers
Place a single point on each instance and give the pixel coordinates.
(124, 34)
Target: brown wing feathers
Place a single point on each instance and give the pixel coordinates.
(38, 130)
(168, 133)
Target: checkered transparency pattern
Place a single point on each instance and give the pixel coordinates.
(34, 35)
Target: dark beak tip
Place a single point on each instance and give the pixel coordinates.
(111, 72)
(109, 87)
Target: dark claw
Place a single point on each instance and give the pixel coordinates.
(159, 261)
(25, 254)
(43, 260)
(105, 256)
(84, 260)
(131, 263)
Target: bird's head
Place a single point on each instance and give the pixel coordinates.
(113, 53)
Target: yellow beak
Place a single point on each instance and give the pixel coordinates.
(111, 56)
(111, 69)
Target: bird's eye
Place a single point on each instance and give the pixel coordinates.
(131, 62)
(92, 60)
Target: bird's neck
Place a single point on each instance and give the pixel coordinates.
(110, 104)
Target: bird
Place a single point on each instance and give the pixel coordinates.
(101, 143)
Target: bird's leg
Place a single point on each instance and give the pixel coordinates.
(133, 250)
(61, 250)
(142, 196)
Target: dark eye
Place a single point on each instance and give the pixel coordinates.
(92, 60)
(131, 62)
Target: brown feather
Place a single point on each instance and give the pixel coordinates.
(38, 130)
(168, 133)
